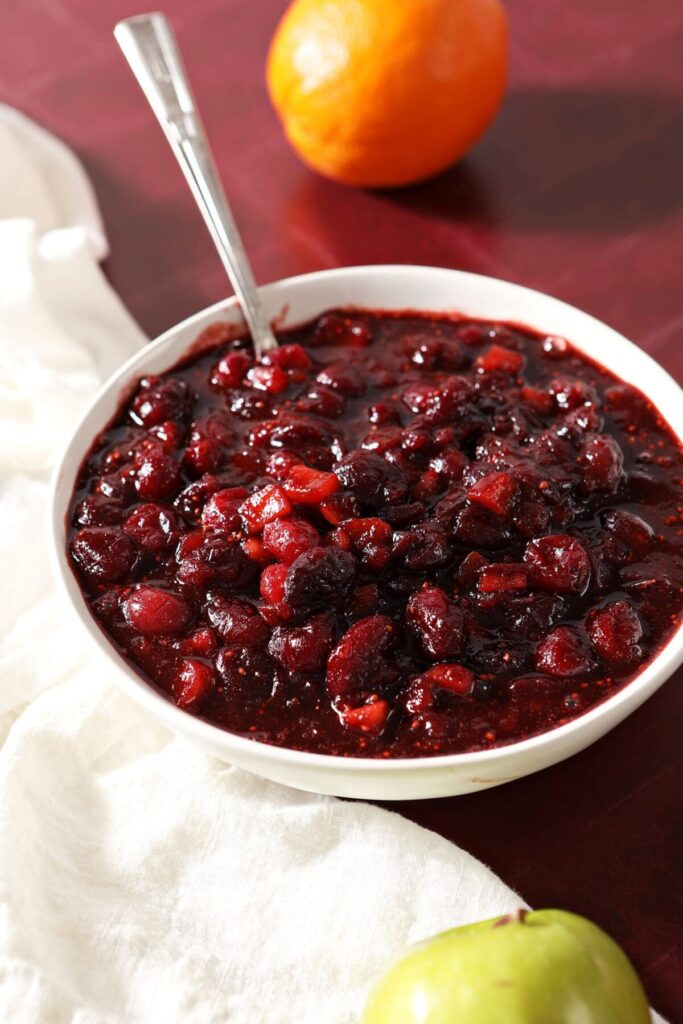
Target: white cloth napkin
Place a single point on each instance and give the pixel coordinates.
(140, 881)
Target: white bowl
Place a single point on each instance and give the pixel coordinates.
(380, 287)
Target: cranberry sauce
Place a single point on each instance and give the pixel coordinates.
(401, 536)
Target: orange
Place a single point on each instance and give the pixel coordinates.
(387, 92)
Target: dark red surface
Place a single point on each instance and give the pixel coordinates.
(576, 190)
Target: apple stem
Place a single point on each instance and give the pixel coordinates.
(517, 915)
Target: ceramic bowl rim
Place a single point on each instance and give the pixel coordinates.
(653, 674)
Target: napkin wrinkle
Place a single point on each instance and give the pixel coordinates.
(142, 882)
(43, 180)
(54, 351)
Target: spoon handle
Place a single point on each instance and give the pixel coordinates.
(149, 46)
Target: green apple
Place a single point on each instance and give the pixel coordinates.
(537, 967)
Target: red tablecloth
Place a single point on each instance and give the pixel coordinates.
(576, 190)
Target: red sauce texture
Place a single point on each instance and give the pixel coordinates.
(401, 536)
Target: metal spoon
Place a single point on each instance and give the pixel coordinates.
(150, 48)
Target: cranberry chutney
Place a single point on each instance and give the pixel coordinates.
(400, 535)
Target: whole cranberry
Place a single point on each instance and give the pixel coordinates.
(428, 486)
(436, 623)
(536, 399)
(295, 431)
(192, 683)
(531, 518)
(615, 631)
(428, 546)
(417, 437)
(278, 464)
(422, 350)
(170, 433)
(319, 578)
(401, 516)
(602, 462)
(99, 510)
(420, 397)
(157, 476)
(204, 456)
(154, 527)
(449, 464)
(383, 439)
(533, 614)
(304, 648)
(558, 562)
(216, 425)
(289, 357)
(256, 550)
(554, 452)
(555, 348)
(151, 610)
(563, 652)
(371, 539)
(362, 660)
(343, 377)
(236, 620)
(202, 642)
(571, 394)
(575, 424)
(341, 329)
(631, 536)
(191, 500)
(323, 401)
(116, 487)
(439, 402)
(221, 511)
(472, 334)
(383, 414)
(205, 558)
(159, 400)
(103, 553)
(272, 379)
(476, 528)
(371, 478)
(250, 405)
(230, 370)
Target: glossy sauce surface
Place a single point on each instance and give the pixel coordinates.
(408, 536)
